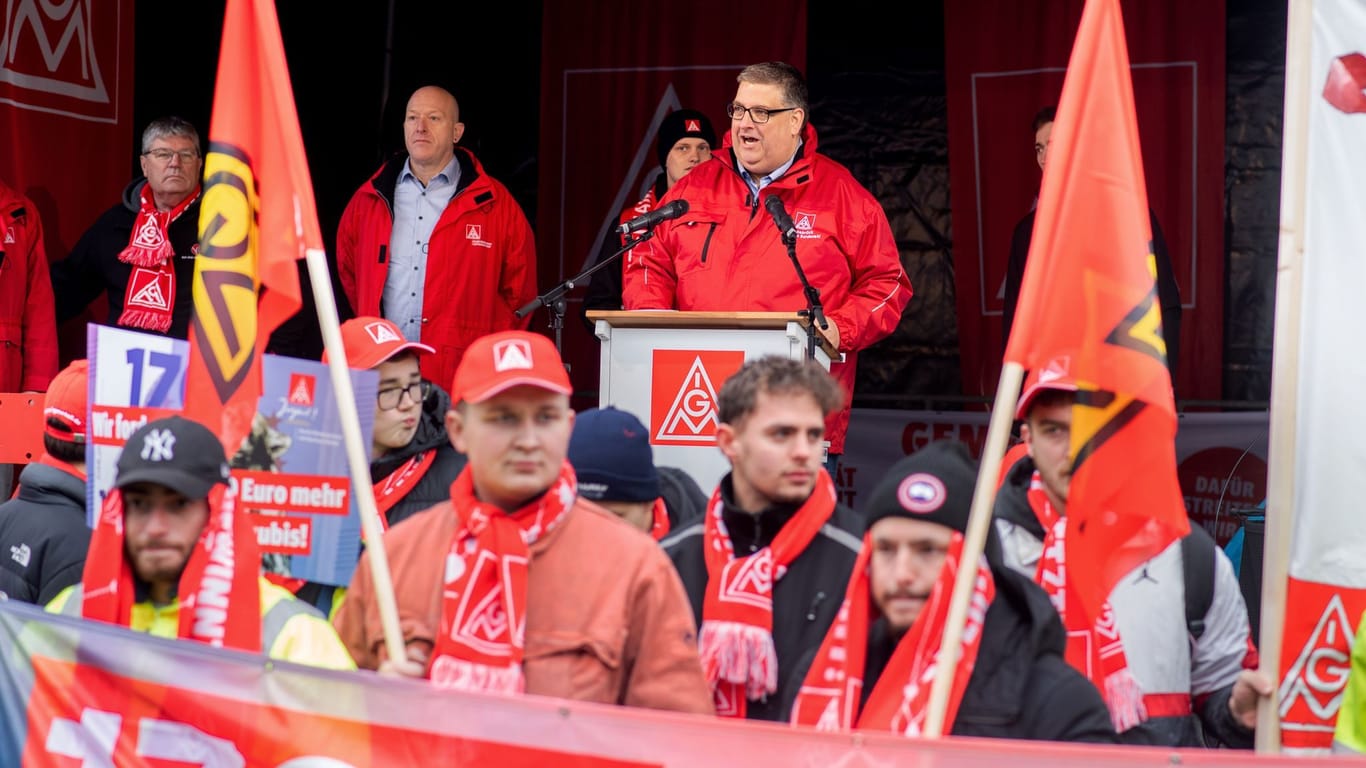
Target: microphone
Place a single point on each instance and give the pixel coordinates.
(648, 221)
(786, 228)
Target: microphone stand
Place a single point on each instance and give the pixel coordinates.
(814, 311)
(554, 300)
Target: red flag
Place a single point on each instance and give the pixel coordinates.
(1089, 291)
(256, 221)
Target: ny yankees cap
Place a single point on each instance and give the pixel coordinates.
(181, 454)
(369, 341)
(500, 361)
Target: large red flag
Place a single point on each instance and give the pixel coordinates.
(256, 221)
(1089, 291)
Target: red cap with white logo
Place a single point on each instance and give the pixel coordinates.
(369, 341)
(500, 361)
(1055, 374)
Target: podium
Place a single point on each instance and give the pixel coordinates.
(666, 367)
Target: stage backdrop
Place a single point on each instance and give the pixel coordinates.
(1005, 62)
(607, 79)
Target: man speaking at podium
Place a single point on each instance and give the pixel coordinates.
(725, 254)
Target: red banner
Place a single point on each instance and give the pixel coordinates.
(1006, 61)
(256, 221)
(607, 80)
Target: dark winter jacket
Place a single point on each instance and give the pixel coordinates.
(805, 599)
(43, 535)
(683, 497)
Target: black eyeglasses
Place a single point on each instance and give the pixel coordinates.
(389, 399)
(757, 114)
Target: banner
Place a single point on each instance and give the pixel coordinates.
(1220, 457)
(1327, 589)
(79, 693)
(608, 78)
(256, 221)
(1004, 62)
(290, 468)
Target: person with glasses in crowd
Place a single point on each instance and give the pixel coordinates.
(725, 254)
(140, 253)
(412, 461)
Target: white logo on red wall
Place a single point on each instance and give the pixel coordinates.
(301, 389)
(683, 394)
(50, 56)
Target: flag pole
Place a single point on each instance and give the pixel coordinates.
(361, 488)
(1280, 486)
(974, 542)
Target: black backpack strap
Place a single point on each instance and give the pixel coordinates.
(1198, 563)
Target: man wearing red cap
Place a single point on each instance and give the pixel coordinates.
(1166, 680)
(515, 584)
(43, 532)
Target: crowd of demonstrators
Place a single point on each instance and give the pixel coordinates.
(171, 513)
(140, 253)
(725, 253)
(44, 528)
(434, 243)
(685, 139)
(611, 454)
(516, 584)
(412, 461)
(1165, 682)
(766, 568)
(1168, 292)
(1010, 681)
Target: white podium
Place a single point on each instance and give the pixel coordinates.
(667, 367)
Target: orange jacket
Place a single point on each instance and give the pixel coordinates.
(607, 620)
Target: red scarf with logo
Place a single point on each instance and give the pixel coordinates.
(150, 293)
(829, 696)
(1093, 648)
(483, 601)
(736, 640)
(398, 483)
(219, 589)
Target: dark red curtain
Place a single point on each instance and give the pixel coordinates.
(1004, 62)
(607, 77)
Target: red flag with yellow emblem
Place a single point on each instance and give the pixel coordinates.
(1089, 291)
(257, 219)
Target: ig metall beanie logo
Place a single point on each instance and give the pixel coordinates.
(225, 278)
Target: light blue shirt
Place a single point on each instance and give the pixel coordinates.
(777, 173)
(416, 210)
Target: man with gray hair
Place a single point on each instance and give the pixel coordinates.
(140, 253)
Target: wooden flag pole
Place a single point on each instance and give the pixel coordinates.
(1280, 485)
(362, 489)
(974, 542)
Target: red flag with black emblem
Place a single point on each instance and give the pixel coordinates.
(1089, 291)
(257, 219)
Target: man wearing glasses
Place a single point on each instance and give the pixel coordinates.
(412, 461)
(725, 254)
(140, 253)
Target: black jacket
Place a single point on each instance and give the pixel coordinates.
(93, 266)
(435, 485)
(805, 599)
(43, 535)
(683, 497)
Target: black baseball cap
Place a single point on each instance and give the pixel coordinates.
(176, 452)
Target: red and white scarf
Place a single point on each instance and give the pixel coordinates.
(1093, 648)
(736, 641)
(400, 483)
(150, 294)
(219, 589)
(483, 602)
(829, 696)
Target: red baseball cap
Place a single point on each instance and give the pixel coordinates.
(1055, 374)
(500, 361)
(65, 403)
(369, 341)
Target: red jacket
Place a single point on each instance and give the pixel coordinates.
(726, 254)
(28, 319)
(481, 261)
